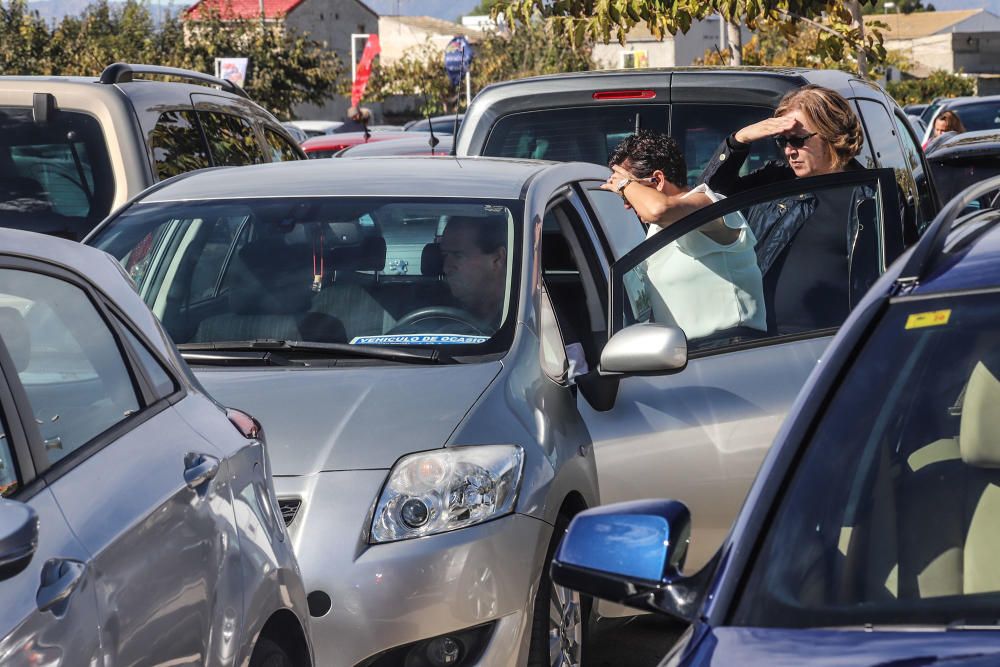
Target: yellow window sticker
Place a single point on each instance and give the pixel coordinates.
(934, 318)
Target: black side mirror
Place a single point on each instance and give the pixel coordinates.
(18, 537)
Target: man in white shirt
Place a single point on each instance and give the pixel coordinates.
(706, 281)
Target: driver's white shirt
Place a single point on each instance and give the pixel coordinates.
(703, 286)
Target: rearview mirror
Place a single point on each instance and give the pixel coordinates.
(645, 349)
(631, 554)
(18, 537)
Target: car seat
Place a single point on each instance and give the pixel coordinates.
(272, 299)
(352, 296)
(948, 502)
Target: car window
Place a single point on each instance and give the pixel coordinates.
(373, 271)
(620, 225)
(771, 268)
(925, 208)
(882, 135)
(585, 134)
(281, 150)
(177, 144)
(9, 477)
(892, 509)
(231, 140)
(55, 177)
(162, 383)
(700, 129)
(67, 359)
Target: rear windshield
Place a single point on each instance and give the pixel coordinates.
(591, 134)
(55, 177)
(356, 271)
(953, 176)
(979, 116)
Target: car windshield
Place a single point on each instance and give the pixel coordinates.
(345, 271)
(55, 176)
(893, 513)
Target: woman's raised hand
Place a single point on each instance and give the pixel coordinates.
(769, 127)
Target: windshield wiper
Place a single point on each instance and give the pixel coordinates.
(413, 356)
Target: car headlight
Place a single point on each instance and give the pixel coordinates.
(446, 489)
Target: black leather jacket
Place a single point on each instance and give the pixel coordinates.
(775, 223)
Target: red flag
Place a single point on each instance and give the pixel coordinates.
(364, 70)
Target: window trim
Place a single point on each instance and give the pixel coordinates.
(17, 437)
(884, 179)
(141, 383)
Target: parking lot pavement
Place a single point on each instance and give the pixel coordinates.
(638, 642)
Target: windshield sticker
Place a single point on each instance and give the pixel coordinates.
(419, 339)
(936, 318)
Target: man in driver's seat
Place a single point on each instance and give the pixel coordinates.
(474, 255)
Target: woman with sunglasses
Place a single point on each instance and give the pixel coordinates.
(814, 127)
(818, 133)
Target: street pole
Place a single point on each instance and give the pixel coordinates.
(468, 90)
(354, 52)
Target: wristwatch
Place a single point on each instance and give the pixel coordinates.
(622, 184)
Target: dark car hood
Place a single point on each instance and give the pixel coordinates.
(350, 418)
(756, 647)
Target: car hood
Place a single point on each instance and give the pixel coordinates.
(350, 418)
(756, 647)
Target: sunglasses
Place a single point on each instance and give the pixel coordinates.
(794, 142)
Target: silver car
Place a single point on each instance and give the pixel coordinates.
(426, 341)
(138, 524)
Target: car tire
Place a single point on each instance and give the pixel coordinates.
(558, 644)
(268, 653)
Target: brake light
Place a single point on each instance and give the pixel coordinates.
(244, 423)
(624, 94)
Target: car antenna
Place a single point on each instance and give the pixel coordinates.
(433, 141)
(637, 122)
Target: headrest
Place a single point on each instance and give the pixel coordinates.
(369, 256)
(284, 301)
(979, 430)
(15, 336)
(431, 260)
(276, 264)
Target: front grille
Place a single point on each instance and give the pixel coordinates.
(289, 508)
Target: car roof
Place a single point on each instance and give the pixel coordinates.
(970, 259)
(966, 101)
(481, 178)
(418, 145)
(967, 144)
(835, 79)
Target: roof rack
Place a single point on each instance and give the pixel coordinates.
(123, 72)
(930, 244)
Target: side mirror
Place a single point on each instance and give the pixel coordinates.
(18, 537)
(632, 554)
(645, 349)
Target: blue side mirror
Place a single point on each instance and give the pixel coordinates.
(629, 553)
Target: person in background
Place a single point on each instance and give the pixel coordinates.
(947, 121)
(356, 120)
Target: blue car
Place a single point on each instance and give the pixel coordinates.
(871, 535)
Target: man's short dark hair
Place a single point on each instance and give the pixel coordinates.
(648, 151)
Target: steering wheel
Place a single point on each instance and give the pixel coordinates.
(442, 313)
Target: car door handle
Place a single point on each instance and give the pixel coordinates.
(62, 577)
(199, 468)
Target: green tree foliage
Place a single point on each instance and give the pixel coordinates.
(923, 91)
(838, 35)
(286, 68)
(24, 39)
(529, 50)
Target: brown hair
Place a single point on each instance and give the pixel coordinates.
(952, 123)
(832, 117)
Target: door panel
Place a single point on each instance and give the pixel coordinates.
(161, 548)
(66, 634)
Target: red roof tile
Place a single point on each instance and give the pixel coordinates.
(245, 9)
